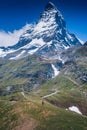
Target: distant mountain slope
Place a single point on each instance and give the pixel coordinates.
(32, 71)
(85, 43)
(76, 63)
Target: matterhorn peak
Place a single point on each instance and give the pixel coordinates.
(52, 16)
(48, 37)
(49, 6)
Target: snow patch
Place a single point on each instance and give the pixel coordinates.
(32, 51)
(4, 53)
(44, 26)
(35, 42)
(75, 109)
(18, 56)
(60, 31)
(56, 72)
(61, 59)
(80, 40)
(66, 39)
(69, 36)
(9, 88)
(49, 43)
(66, 47)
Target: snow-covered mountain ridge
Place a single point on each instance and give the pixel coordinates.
(49, 37)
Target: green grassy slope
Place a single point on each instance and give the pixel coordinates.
(24, 74)
(21, 113)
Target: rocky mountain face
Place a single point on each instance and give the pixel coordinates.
(85, 44)
(75, 65)
(47, 38)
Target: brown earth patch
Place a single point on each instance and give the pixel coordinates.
(26, 125)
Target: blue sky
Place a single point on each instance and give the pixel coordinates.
(14, 14)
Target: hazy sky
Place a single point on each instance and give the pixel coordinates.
(14, 14)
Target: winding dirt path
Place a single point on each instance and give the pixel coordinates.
(49, 95)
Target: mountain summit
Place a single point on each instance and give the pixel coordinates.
(49, 37)
(50, 6)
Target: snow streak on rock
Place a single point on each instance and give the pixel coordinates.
(56, 72)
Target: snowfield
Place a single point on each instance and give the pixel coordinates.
(75, 109)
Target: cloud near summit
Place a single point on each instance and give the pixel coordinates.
(11, 38)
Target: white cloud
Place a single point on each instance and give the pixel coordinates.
(11, 38)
